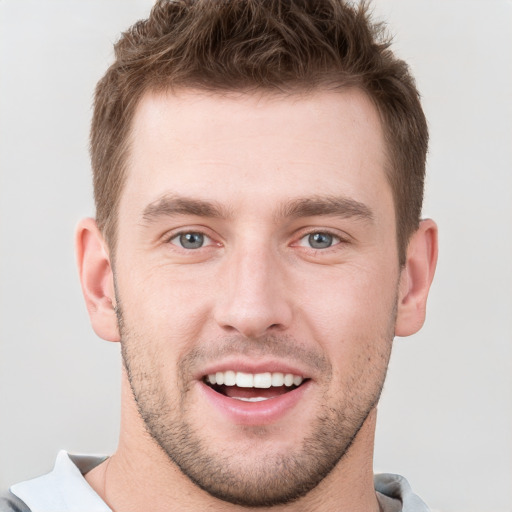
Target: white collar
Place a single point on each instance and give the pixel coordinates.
(64, 489)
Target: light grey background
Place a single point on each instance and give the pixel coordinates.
(446, 414)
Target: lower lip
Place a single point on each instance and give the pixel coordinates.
(254, 413)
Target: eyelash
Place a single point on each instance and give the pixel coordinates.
(209, 241)
(337, 240)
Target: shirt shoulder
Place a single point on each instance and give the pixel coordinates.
(398, 488)
(11, 503)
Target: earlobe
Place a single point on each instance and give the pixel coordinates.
(97, 279)
(416, 278)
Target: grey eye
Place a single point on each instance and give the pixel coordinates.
(320, 240)
(191, 240)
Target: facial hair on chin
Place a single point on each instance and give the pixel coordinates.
(271, 478)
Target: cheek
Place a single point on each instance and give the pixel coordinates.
(167, 305)
(355, 311)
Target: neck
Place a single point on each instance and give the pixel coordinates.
(140, 476)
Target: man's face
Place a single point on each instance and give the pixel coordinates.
(256, 277)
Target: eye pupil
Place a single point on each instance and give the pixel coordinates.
(191, 240)
(320, 240)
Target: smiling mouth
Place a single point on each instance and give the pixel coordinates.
(253, 387)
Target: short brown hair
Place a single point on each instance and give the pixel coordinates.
(276, 45)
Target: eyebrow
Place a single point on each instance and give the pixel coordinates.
(338, 206)
(172, 205)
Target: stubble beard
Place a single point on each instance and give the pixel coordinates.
(267, 479)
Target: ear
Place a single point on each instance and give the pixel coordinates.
(97, 279)
(416, 278)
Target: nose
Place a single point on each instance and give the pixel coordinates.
(253, 296)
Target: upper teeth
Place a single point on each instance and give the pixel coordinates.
(254, 380)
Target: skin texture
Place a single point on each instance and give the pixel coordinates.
(255, 175)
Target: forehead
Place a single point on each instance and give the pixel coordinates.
(235, 147)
